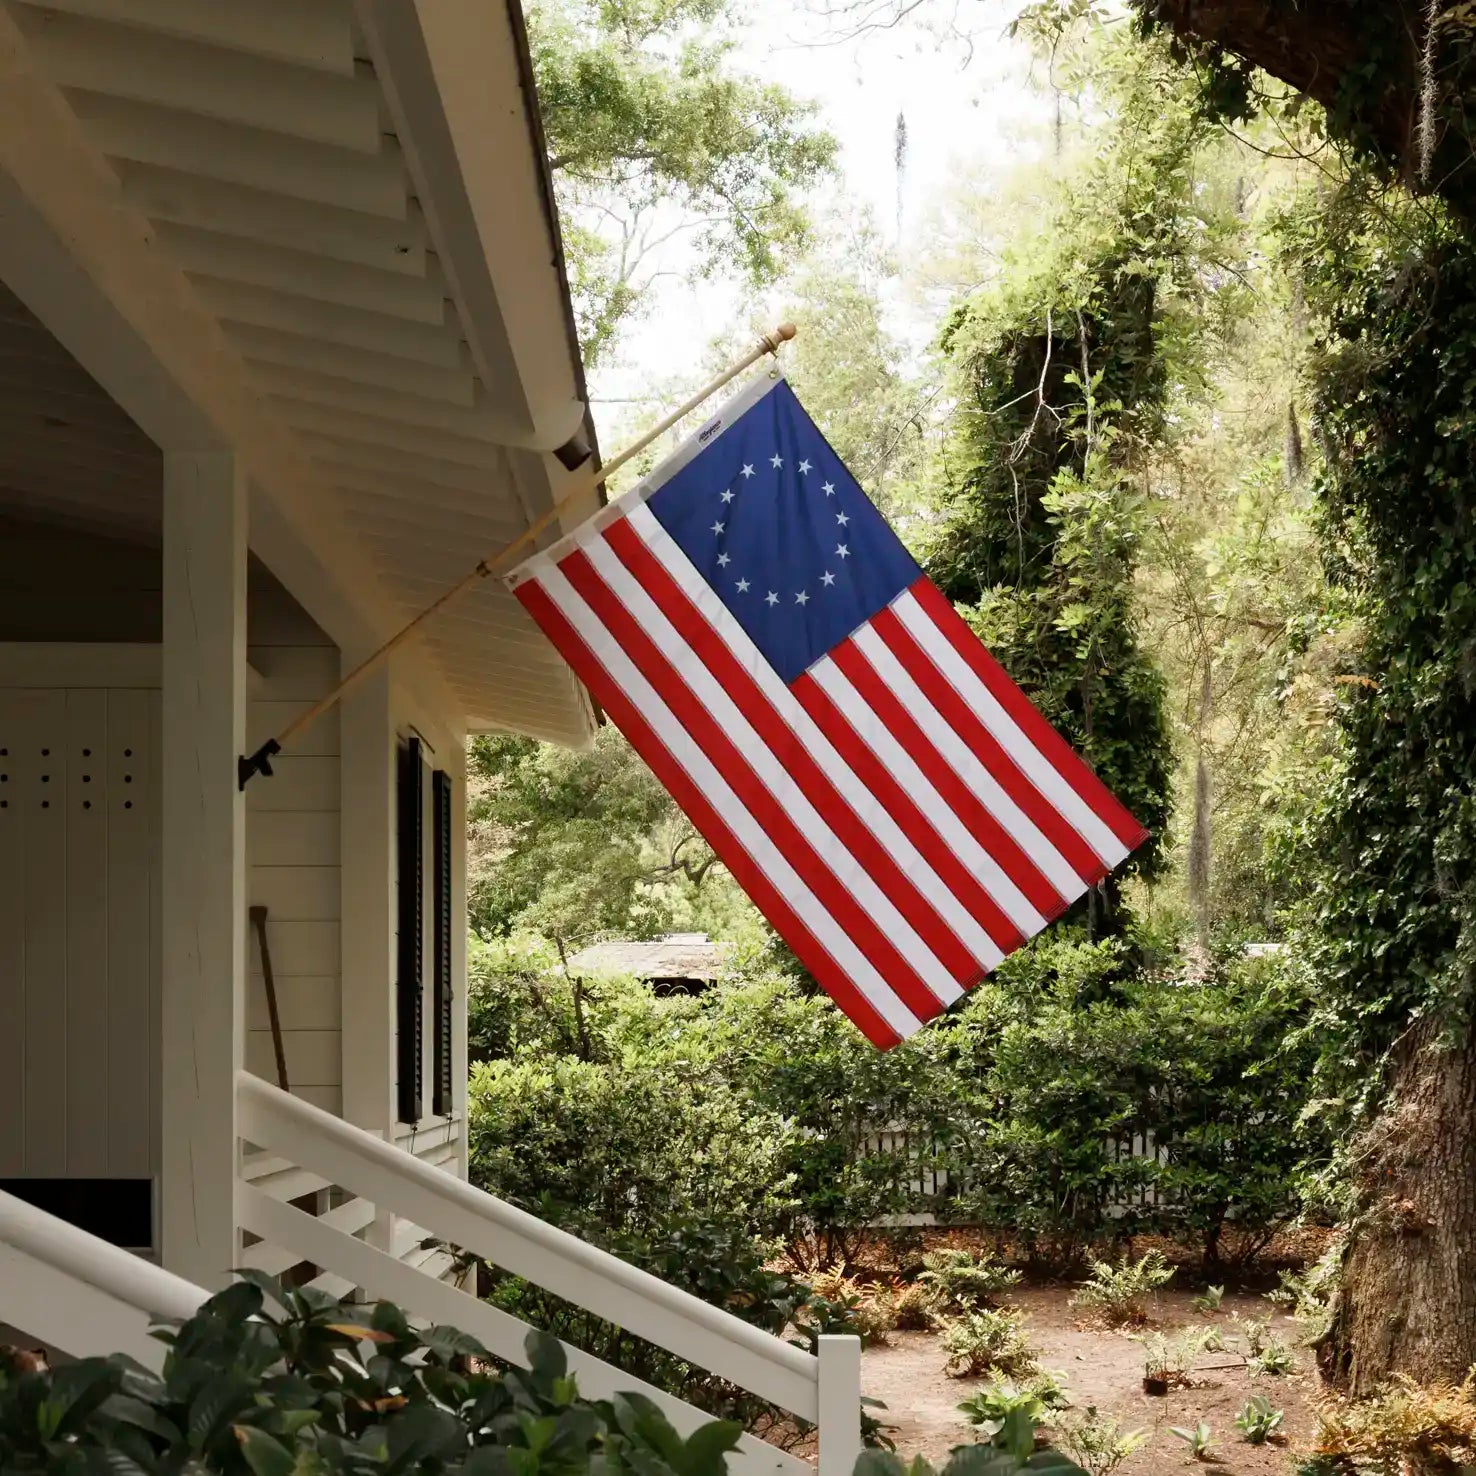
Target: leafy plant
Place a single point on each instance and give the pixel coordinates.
(969, 1460)
(1259, 1420)
(1099, 1441)
(1007, 1414)
(985, 1341)
(912, 1308)
(960, 1281)
(1405, 1426)
(1201, 1439)
(268, 1382)
(1118, 1294)
(1209, 1299)
(1273, 1358)
(1167, 1362)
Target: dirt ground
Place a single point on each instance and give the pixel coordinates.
(1105, 1369)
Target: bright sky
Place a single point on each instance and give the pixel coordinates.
(966, 101)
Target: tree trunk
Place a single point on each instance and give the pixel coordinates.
(1408, 1297)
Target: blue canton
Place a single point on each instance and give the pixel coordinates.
(771, 518)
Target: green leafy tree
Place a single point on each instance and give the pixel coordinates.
(654, 132)
(1063, 381)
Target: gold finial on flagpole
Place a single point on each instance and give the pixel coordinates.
(260, 761)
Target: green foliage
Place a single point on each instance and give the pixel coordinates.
(1063, 376)
(610, 1147)
(959, 1280)
(1120, 1293)
(969, 1460)
(1099, 1442)
(1273, 1359)
(1007, 1414)
(268, 1382)
(1392, 850)
(1259, 1420)
(987, 1342)
(651, 129)
(1169, 1360)
(1208, 1300)
(1200, 1439)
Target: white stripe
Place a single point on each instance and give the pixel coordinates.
(679, 745)
(866, 806)
(965, 763)
(788, 795)
(940, 815)
(1034, 764)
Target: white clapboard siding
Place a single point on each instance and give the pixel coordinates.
(79, 932)
(292, 851)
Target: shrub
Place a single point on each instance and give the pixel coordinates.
(609, 1148)
(1007, 1414)
(1099, 1441)
(989, 1342)
(267, 1382)
(1118, 1294)
(1273, 1358)
(959, 1281)
(1259, 1420)
(912, 1307)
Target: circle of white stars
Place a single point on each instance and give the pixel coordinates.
(842, 551)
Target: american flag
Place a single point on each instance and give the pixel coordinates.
(885, 794)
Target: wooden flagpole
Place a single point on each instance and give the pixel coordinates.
(260, 761)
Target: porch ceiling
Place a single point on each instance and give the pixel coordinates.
(351, 190)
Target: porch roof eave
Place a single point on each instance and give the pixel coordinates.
(364, 499)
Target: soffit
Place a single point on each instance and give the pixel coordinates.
(256, 141)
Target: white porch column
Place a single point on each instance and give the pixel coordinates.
(204, 860)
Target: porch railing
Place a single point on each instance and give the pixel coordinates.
(387, 1204)
(79, 1294)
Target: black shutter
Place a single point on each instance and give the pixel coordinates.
(442, 1095)
(409, 1023)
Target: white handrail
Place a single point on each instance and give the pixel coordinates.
(80, 1294)
(510, 1237)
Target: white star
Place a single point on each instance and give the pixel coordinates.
(829, 489)
(723, 561)
(728, 495)
(747, 470)
(842, 519)
(776, 460)
(802, 598)
(718, 527)
(842, 550)
(743, 586)
(771, 598)
(804, 467)
(827, 577)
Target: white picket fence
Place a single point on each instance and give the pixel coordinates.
(934, 1187)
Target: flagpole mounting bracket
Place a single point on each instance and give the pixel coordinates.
(259, 762)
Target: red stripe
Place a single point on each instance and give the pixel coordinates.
(746, 871)
(1062, 757)
(956, 794)
(731, 764)
(879, 780)
(801, 766)
(966, 723)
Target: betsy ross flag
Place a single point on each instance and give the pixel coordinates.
(884, 793)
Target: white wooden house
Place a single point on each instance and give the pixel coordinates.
(285, 346)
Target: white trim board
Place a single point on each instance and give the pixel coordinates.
(92, 664)
(78, 664)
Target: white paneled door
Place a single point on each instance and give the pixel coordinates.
(79, 933)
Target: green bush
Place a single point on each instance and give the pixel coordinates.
(267, 1382)
(626, 1147)
(984, 1342)
(1120, 1293)
(958, 1280)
